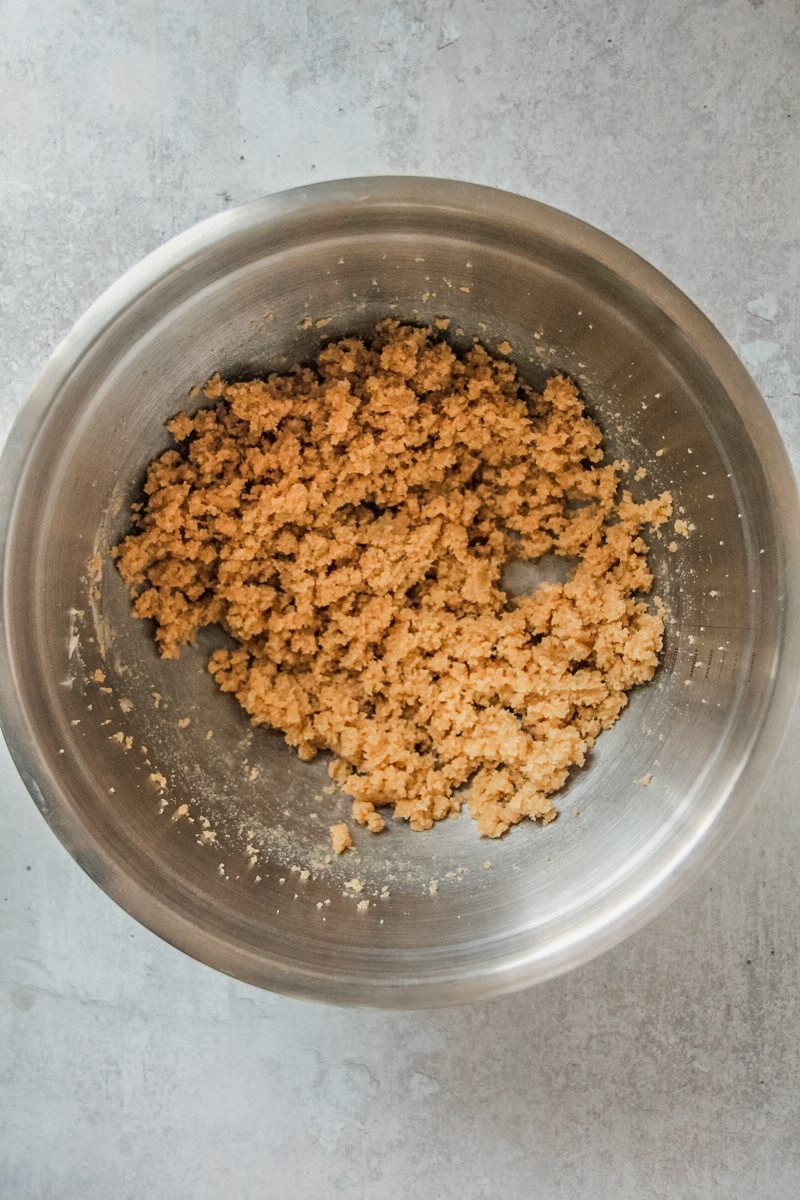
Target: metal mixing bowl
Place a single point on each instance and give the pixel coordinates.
(234, 294)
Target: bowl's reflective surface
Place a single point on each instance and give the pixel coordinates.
(232, 295)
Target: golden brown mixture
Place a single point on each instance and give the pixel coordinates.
(348, 524)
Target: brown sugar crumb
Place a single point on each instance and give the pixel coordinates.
(99, 676)
(365, 813)
(340, 838)
(347, 525)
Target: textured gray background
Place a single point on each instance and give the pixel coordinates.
(670, 1067)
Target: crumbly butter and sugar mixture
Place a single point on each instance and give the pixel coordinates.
(347, 524)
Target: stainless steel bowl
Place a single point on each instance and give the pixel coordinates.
(234, 294)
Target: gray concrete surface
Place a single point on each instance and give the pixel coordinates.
(668, 1068)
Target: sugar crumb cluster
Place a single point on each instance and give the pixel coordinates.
(347, 524)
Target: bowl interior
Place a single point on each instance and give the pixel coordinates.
(115, 761)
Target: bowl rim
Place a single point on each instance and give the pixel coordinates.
(615, 920)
